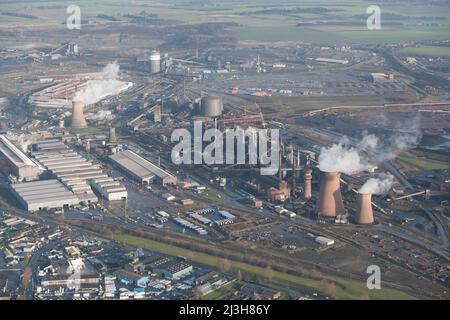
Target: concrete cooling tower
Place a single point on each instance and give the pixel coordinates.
(308, 178)
(364, 213)
(78, 120)
(330, 199)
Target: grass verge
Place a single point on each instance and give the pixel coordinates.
(344, 289)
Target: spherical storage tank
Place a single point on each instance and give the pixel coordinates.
(211, 106)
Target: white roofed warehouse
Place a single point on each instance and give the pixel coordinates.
(44, 194)
(110, 189)
(141, 169)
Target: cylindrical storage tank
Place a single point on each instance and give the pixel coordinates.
(78, 120)
(155, 62)
(330, 199)
(308, 178)
(364, 214)
(211, 106)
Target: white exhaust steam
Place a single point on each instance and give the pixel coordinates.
(380, 185)
(348, 157)
(100, 88)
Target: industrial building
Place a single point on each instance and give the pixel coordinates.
(60, 95)
(171, 268)
(72, 170)
(20, 165)
(141, 169)
(324, 241)
(110, 189)
(38, 195)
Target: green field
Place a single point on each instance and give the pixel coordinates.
(280, 33)
(344, 289)
(424, 164)
(431, 51)
(260, 26)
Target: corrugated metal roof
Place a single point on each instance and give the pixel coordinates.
(43, 191)
(138, 165)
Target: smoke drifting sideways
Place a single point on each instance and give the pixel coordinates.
(24, 142)
(106, 85)
(350, 156)
(380, 185)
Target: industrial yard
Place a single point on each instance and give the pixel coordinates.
(96, 204)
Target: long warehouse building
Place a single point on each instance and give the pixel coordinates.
(21, 166)
(74, 171)
(141, 169)
(44, 194)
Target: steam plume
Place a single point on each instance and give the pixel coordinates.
(100, 88)
(370, 150)
(380, 185)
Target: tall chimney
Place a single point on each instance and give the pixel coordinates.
(364, 214)
(78, 120)
(112, 135)
(308, 178)
(330, 199)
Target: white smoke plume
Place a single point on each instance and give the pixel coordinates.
(24, 142)
(380, 185)
(341, 158)
(100, 88)
(370, 150)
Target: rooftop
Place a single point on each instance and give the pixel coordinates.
(14, 154)
(41, 191)
(138, 165)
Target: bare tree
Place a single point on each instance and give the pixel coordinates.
(239, 276)
(223, 265)
(329, 288)
(268, 273)
(198, 293)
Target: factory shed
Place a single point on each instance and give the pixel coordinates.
(109, 188)
(69, 167)
(21, 166)
(141, 169)
(38, 195)
(171, 268)
(324, 241)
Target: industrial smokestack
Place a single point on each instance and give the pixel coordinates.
(112, 135)
(364, 214)
(330, 199)
(78, 120)
(308, 178)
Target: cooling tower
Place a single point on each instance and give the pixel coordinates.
(112, 135)
(211, 106)
(364, 214)
(155, 61)
(330, 200)
(78, 120)
(308, 178)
